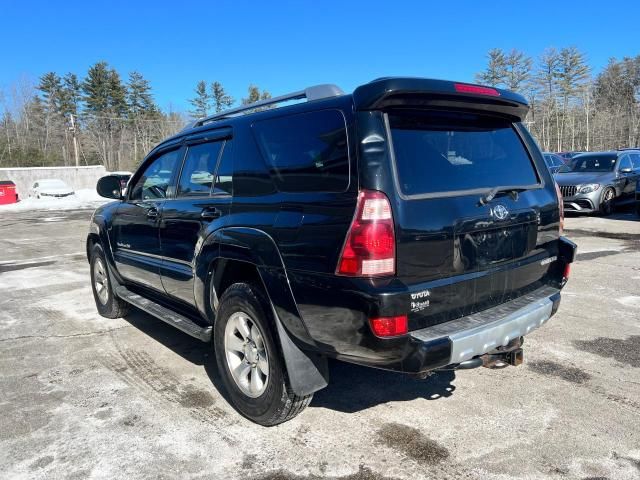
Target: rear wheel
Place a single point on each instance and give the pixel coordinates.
(107, 303)
(606, 202)
(249, 359)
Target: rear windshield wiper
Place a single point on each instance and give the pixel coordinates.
(491, 194)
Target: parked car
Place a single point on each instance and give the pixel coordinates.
(568, 156)
(599, 182)
(8, 193)
(553, 161)
(52, 187)
(411, 226)
(638, 198)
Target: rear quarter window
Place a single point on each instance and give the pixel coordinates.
(306, 152)
(440, 152)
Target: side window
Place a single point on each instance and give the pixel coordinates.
(307, 152)
(197, 173)
(155, 179)
(224, 174)
(625, 163)
(635, 160)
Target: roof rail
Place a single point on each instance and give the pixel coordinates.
(315, 92)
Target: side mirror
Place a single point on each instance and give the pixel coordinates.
(626, 170)
(109, 187)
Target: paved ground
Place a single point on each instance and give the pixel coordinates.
(82, 396)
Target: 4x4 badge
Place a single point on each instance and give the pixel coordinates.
(500, 212)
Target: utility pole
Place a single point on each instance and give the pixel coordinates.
(72, 128)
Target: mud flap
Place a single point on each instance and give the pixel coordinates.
(308, 372)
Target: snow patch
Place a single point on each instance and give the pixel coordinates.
(630, 301)
(84, 198)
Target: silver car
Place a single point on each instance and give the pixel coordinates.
(598, 182)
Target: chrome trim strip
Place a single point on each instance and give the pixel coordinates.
(130, 252)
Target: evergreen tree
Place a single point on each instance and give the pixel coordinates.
(496, 72)
(517, 68)
(70, 94)
(221, 100)
(51, 88)
(96, 88)
(573, 71)
(201, 102)
(117, 95)
(254, 95)
(139, 98)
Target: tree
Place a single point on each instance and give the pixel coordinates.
(496, 72)
(96, 88)
(220, 99)
(117, 94)
(573, 73)
(71, 94)
(139, 98)
(201, 102)
(51, 88)
(254, 95)
(517, 70)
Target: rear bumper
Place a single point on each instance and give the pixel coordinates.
(495, 327)
(335, 311)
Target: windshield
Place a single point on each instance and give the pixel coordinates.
(52, 183)
(590, 164)
(439, 152)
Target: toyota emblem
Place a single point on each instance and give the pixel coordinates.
(500, 212)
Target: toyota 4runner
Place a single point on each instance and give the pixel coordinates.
(411, 226)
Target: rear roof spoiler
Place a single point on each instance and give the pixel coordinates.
(397, 92)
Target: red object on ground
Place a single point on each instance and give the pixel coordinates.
(8, 192)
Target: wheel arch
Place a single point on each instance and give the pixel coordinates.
(251, 255)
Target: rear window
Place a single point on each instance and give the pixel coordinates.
(439, 152)
(306, 152)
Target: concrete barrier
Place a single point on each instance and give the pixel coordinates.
(76, 177)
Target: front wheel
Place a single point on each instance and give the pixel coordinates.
(606, 202)
(107, 303)
(249, 359)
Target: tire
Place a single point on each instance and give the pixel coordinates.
(606, 202)
(270, 400)
(107, 303)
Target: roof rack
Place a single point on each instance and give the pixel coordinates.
(315, 92)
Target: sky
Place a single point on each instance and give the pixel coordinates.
(285, 46)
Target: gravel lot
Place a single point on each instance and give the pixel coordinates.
(86, 397)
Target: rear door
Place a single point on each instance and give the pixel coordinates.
(201, 204)
(476, 218)
(628, 177)
(136, 241)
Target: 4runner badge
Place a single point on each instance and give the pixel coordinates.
(420, 300)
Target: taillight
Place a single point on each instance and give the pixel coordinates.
(561, 205)
(370, 247)
(389, 326)
(566, 272)
(477, 89)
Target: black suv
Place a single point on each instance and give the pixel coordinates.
(411, 225)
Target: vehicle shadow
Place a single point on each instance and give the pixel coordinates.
(351, 388)
(189, 348)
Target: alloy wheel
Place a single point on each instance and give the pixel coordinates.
(246, 354)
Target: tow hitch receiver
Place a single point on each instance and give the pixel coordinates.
(513, 357)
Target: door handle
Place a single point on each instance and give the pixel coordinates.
(152, 213)
(210, 213)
